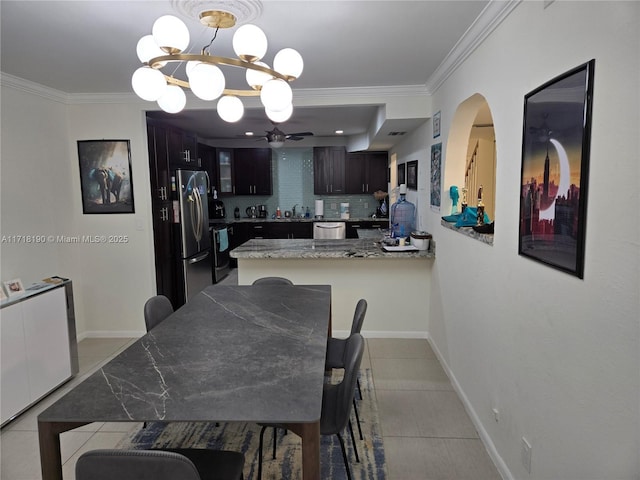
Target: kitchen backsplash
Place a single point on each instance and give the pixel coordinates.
(292, 172)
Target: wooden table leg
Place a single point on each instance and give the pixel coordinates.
(50, 456)
(310, 434)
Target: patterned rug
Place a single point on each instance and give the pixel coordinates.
(244, 437)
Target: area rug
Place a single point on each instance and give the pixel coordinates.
(244, 437)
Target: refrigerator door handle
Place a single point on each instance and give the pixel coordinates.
(198, 258)
(196, 224)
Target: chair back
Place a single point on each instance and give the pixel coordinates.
(358, 316)
(343, 392)
(156, 309)
(134, 465)
(272, 281)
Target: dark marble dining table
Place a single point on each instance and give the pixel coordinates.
(232, 353)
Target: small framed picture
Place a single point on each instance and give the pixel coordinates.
(412, 174)
(436, 124)
(14, 287)
(402, 169)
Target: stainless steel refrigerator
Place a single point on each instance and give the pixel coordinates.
(195, 242)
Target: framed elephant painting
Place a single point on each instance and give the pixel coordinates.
(105, 176)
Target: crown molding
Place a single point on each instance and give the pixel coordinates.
(17, 83)
(361, 92)
(488, 20)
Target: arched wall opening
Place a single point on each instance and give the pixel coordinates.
(471, 155)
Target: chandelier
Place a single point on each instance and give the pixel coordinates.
(166, 45)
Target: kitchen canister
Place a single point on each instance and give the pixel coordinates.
(319, 209)
(420, 240)
(344, 210)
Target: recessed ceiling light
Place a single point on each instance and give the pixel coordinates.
(248, 134)
(339, 132)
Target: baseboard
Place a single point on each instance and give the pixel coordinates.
(110, 334)
(503, 470)
(382, 334)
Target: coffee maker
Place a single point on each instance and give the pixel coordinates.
(216, 209)
(262, 211)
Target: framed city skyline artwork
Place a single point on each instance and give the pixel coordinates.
(554, 175)
(105, 176)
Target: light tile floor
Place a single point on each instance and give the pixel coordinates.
(427, 433)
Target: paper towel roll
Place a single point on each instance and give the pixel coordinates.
(319, 208)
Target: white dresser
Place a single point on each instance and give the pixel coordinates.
(38, 346)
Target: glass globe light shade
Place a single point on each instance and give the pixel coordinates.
(230, 108)
(289, 63)
(255, 78)
(276, 95)
(250, 43)
(206, 81)
(171, 34)
(148, 83)
(173, 100)
(190, 66)
(281, 116)
(147, 49)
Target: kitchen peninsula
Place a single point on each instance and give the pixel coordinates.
(396, 285)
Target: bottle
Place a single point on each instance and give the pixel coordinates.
(480, 216)
(307, 213)
(278, 213)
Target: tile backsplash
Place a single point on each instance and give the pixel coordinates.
(292, 173)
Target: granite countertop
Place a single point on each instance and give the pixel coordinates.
(314, 249)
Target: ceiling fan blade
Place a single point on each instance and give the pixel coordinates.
(289, 137)
(300, 134)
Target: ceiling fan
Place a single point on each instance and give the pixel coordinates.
(277, 137)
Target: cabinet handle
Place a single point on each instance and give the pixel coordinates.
(367, 190)
(363, 190)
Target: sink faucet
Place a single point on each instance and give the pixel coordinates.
(293, 211)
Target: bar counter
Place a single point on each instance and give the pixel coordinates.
(396, 285)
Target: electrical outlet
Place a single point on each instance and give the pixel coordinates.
(526, 455)
(366, 205)
(333, 206)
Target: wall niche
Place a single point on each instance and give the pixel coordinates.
(471, 157)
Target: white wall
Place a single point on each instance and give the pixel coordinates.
(557, 356)
(41, 196)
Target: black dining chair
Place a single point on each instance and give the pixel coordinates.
(335, 352)
(336, 401)
(170, 464)
(156, 309)
(272, 281)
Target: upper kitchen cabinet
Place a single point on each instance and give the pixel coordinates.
(224, 171)
(252, 169)
(366, 172)
(329, 170)
(182, 148)
(207, 159)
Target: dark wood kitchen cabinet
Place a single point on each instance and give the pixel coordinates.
(207, 157)
(329, 170)
(252, 170)
(224, 171)
(162, 211)
(290, 230)
(354, 226)
(182, 148)
(366, 172)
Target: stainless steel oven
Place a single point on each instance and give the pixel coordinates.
(220, 250)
